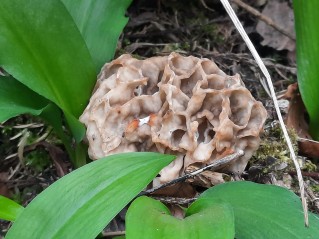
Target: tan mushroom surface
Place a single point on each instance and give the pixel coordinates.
(173, 104)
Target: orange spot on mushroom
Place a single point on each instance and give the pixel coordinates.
(225, 153)
(132, 126)
(152, 120)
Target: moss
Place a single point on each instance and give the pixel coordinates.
(273, 150)
(211, 30)
(38, 160)
(315, 188)
(309, 166)
(178, 47)
(273, 144)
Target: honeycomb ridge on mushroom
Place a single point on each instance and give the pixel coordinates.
(173, 104)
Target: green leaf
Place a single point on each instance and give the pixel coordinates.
(307, 34)
(53, 115)
(82, 203)
(148, 218)
(42, 48)
(264, 211)
(9, 210)
(101, 23)
(16, 99)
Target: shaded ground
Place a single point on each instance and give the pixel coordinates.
(199, 28)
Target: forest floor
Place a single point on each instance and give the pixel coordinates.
(203, 29)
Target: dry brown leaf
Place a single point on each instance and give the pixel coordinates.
(179, 190)
(295, 119)
(309, 148)
(283, 16)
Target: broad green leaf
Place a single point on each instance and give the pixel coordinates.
(306, 25)
(148, 218)
(9, 210)
(42, 48)
(82, 203)
(264, 211)
(16, 99)
(101, 23)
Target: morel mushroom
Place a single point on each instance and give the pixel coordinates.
(173, 104)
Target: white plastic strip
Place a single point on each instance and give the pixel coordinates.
(264, 70)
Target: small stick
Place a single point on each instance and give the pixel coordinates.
(205, 5)
(264, 18)
(173, 200)
(313, 198)
(215, 164)
(314, 175)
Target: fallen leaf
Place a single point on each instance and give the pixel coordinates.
(309, 148)
(180, 190)
(295, 119)
(57, 155)
(283, 16)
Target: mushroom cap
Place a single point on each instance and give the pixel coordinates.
(173, 104)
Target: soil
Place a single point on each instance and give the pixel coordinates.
(158, 27)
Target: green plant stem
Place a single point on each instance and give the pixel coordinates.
(66, 140)
(77, 151)
(77, 154)
(81, 155)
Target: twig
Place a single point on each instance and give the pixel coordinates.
(264, 18)
(205, 6)
(313, 198)
(22, 143)
(173, 200)
(244, 57)
(309, 140)
(264, 70)
(13, 172)
(22, 126)
(215, 164)
(314, 175)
